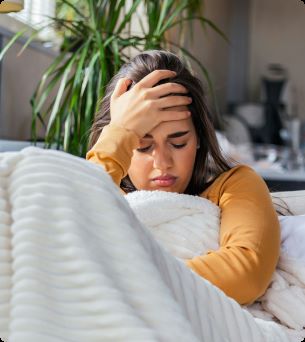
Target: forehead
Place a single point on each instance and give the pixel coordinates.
(168, 127)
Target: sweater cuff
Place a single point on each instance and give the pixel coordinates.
(117, 143)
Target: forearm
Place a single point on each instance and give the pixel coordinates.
(249, 237)
(237, 271)
(113, 151)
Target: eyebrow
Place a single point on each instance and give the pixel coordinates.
(173, 135)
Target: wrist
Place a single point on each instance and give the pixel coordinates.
(126, 129)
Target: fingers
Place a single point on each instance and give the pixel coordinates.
(121, 87)
(177, 108)
(166, 89)
(172, 101)
(154, 77)
(173, 115)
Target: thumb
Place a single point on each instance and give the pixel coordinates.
(121, 87)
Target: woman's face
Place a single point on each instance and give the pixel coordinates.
(165, 158)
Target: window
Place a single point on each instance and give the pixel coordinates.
(35, 14)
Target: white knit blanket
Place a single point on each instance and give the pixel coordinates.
(77, 265)
(188, 226)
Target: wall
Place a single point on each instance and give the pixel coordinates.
(211, 49)
(276, 35)
(20, 77)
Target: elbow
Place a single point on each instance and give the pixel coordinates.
(252, 292)
(261, 276)
(255, 284)
(255, 278)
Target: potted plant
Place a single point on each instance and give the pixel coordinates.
(97, 38)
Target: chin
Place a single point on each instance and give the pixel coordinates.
(167, 189)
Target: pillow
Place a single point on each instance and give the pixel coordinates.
(293, 236)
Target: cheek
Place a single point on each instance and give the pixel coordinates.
(186, 160)
(140, 166)
(189, 154)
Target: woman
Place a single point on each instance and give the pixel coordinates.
(154, 132)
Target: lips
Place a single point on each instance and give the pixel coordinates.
(165, 177)
(166, 180)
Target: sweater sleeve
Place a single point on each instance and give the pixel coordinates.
(113, 150)
(249, 237)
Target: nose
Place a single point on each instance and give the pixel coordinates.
(162, 158)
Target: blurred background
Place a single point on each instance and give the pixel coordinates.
(249, 51)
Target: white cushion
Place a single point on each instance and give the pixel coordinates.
(293, 201)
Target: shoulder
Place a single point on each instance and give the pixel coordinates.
(239, 173)
(240, 178)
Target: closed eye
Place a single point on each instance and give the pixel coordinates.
(145, 149)
(179, 146)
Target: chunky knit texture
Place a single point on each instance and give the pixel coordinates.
(77, 265)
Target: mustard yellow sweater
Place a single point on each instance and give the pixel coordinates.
(249, 234)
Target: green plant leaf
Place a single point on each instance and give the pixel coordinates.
(205, 21)
(165, 9)
(68, 3)
(180, 8)
(60, 92)
(54, 134)
(78, 74)
(115, 11)
(93, 14)
(67, 131)
(43, 94)
(11, 42)
(88, 72)
(30, 39)
(53, 67)
(116, 55)
(67, 25)
(128, 16)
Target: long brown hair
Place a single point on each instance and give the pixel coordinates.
(209, 162)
